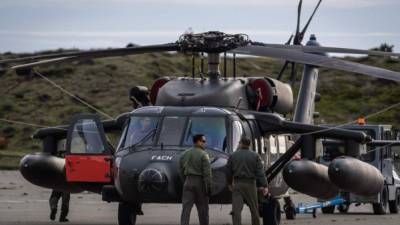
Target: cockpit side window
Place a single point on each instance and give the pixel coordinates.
(214, 128)
(141, 130)
(237, 133)
(171, 130)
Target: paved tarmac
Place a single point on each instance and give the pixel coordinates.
(24, 203)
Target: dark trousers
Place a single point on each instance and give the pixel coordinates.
(244, 192)
(194, 192)
(54, 197)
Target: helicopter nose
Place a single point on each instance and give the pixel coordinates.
(152, 180)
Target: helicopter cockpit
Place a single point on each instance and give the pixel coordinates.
(175, 127)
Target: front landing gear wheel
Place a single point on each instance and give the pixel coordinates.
(394, 205)
(381, 208)
(271, 212)
(126, 214)
(343, 208)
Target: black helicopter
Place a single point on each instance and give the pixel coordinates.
(143, 167)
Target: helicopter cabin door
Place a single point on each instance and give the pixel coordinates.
(88, 157)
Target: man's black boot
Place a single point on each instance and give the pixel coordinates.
(64, 219)
(53, 214)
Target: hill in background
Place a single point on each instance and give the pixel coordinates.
(105, 83)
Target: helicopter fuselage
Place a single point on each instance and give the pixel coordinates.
(144, 167)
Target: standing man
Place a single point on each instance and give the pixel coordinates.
(55, 194)
(244, 168)
(54, 197)
(195, 169)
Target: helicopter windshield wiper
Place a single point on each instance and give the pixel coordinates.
(150, 134)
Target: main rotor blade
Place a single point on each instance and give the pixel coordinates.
(293, 74)
(301, 35)
(43, 62)
(317, 60)
(279, 77)
(321, 49)
(96, 53)
(270, 123)
(33, 57)
(289, 40)
(296, 36)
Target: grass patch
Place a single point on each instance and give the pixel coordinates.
(9, 162)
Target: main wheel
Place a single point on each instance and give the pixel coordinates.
(394, 205)
(271, 212)
(328, 209)
(343, 208)
(381, 207)
(126, 214)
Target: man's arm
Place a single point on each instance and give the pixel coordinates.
(181, 165)
(206, 171)
(260, 173)
(229, 175)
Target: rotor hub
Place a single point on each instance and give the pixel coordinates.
(212, 42)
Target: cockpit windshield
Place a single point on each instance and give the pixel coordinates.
(213, 128)
(175, 131)
(141, 130)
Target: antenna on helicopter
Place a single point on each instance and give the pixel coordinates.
(202, 63)
(193, 65)
(237, 105)
(234, 66)
(225, 65)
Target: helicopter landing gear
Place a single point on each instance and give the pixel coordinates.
(394, 205)
(343, 208)
(127, 213)
(271, 211)
(381, 208)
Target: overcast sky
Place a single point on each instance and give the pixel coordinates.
(33, 25)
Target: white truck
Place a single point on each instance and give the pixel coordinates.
(384, 154)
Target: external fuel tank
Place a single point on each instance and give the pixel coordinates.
(355, 176)
(310, 178)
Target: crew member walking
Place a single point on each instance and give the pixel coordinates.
(244, 169)
(195, 169)
(54, 197)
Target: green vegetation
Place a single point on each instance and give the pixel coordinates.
(105, 83)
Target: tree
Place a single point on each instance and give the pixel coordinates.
(384, 47)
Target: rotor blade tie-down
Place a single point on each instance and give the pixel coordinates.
(72, 95)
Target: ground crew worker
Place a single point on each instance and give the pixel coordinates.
(244, 169)
(195, 169)
(54, 197)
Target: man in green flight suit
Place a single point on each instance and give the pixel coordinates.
(195, 169)
(244, 169)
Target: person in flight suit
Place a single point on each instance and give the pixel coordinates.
(194, 167)
(54, 197)
(244, 169)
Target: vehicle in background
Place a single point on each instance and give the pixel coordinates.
(384, 154)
